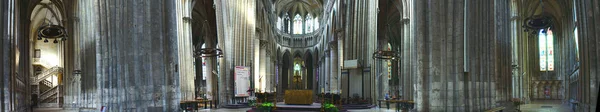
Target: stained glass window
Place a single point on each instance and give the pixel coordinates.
(297, 24)
(308, 23)
(546, 50)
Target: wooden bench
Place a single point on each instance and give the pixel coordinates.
(207, 102)
(497, 109)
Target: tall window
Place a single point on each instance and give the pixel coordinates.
(308, 23)
(546, 50)
(297, 24)
(279, 26)
(316, 23)
(286, 23)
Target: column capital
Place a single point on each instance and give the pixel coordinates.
(263, 44)
(268, 51)
(333, 45)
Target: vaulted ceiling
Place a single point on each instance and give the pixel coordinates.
(302, 7)
(557, 9)
(389, 23)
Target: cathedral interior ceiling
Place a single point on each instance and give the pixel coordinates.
(551, 8)
(302, 7)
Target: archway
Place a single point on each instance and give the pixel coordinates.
(308, 63)
(203, 33)
(47, 56)
(286, 62)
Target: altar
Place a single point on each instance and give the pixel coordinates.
(298, 97)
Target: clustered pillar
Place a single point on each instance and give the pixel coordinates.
(236, 25)
(333, 78)
(126, 69)
(185, 50)
(589, 36)
(454, 58)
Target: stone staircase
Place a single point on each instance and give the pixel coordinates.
(46, 91)
(49, 95)
(50, 72)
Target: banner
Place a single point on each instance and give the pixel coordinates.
(242, 81)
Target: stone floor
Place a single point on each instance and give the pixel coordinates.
(244, 109)
(545, 106)
(50, 110)
(534, 106)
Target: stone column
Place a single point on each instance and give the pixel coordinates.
(272, 72)
(262, 77)
(87, 32)
(211, 70)
(503, 53)
(453, 37)
(279, 82)
(267, 67)
(322, 75)
(135, 69)
(267, 75)
(333, 74)
(589, 36)
(5, 65)
(185, 50)
(327, 76)
(236, 32)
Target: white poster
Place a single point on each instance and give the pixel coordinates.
(242, 80)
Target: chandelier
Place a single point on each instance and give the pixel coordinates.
(50, 31)
(535, 23)
(386, 55)
(208, 52)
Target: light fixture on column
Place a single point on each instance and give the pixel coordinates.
(50, 31)
(535, 23)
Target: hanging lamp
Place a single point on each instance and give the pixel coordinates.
(50, 31)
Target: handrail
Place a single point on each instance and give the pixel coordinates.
(47, 83)
(47, 74)
(49, 93)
